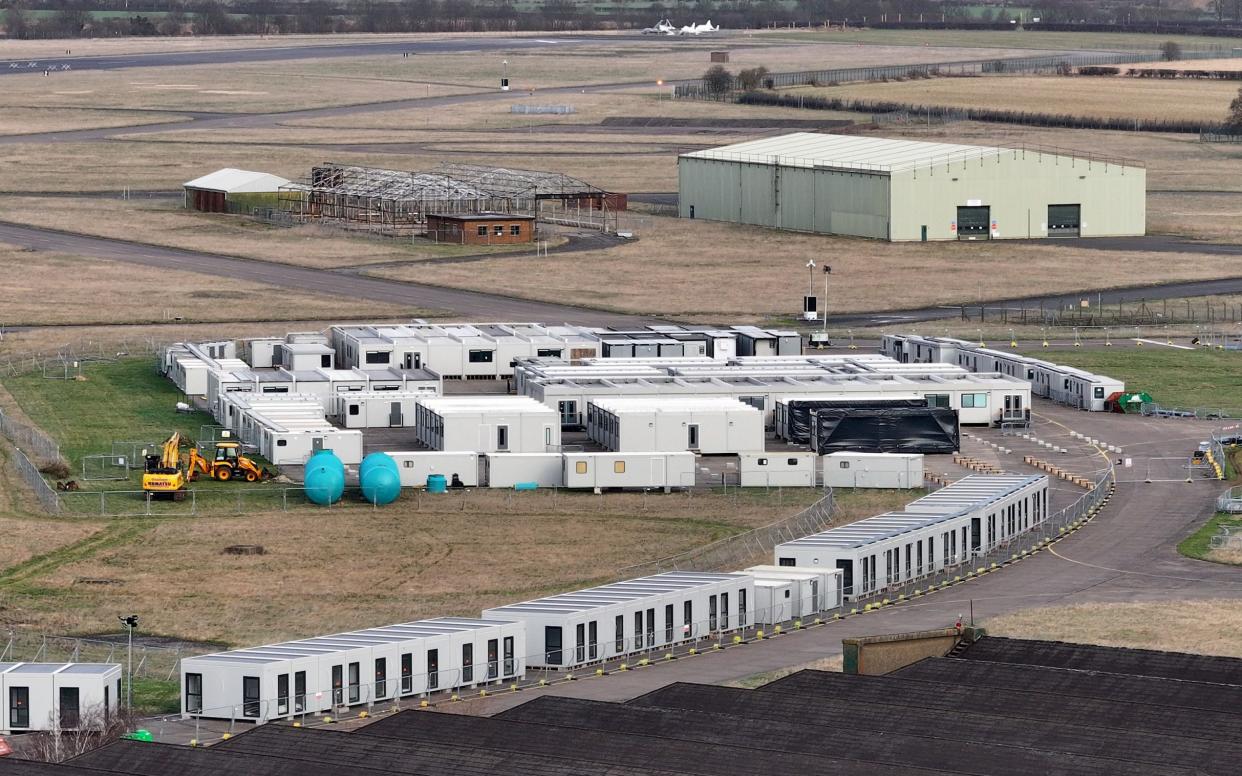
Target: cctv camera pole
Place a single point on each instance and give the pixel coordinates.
(824, 312)
(130, 623)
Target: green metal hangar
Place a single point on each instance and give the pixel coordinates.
(909, 190)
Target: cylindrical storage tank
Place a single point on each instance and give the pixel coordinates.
(379, 478)
(325, 478)
(436, 483)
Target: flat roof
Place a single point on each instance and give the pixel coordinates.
(481, 216)
(858, 153)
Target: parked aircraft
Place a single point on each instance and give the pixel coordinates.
(665, 27)
(698, 29)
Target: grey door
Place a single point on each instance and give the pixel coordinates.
(973, 223)
(1064, 220)
(394, 415)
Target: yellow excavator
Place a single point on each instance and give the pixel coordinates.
(165, 477)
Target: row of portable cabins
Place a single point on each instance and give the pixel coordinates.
(944, 529)
(1062, 384)
(487, 424)
(708, 425)
(58, 696)
(324, 674)
(288, 429)
(576, 470)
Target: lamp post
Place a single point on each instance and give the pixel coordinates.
(130, 622)
(824, 312)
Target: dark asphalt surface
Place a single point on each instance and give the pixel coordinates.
(424, 298)
(415, 44)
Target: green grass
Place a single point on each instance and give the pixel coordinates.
(156, 696)
(124, 400)
(1174, 378)
(1198, 544)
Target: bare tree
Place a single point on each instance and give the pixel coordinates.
(717, 80)
(94, 729)
(1234, 121)
(751, 78)
(1171, 51)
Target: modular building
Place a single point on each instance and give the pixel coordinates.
(413, 468)
(58, 696)
(507, 470)
(906, 190)
(777, 469)
(625, 618)
(873, 470)
(377, 409)
(1063, 384)
(326, 673)
(487, 424)
(783, 593)
(970, 517)
(629, 470)
(707, 425)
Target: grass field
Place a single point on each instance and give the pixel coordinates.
(1206, 101)
(1210, 627)
(1198, 545)
(1174, 378)
(1103, 41)
(106, 292)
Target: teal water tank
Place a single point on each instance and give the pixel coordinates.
(325, 478)
(436, 483)
(379, 478)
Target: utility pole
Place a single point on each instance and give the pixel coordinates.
(130, 622)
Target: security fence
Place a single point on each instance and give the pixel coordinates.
(34, 480)
(745, 548)
(1230, 501)
(150, 661)
(30, 439)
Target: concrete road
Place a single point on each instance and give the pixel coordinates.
(414, 45)
(424, 298)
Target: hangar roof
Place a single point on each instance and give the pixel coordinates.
(867, 154)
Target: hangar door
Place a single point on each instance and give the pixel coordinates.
(973, 223)
(1064, 220)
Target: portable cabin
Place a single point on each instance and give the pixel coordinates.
(777, 469)
(304, 357)
(811, 592)
(753, 341)
(506, 470)
(873, 470)
(487, 424)
(415, 467)
(260, 352)
(629, 470)
(58, 696)
(709, 425)
(944, 529)
(327, 673)
(376, 409)
(189, 374)
(571, 630)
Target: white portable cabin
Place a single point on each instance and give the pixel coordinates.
(189, 374)
(377, 665)
(972, 516)
(64, 696)
(873, 470)
(413, 468)
(571, 630)
(710, 425)
(797, 592)
(376, 409)
(304, 356)
(505, 470)
(629, 470)
(782, 469)
(487, 424)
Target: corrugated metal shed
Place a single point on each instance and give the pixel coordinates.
(851, 152)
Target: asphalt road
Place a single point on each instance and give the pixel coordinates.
(415, 45)
(421, 298)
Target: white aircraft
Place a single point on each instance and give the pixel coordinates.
(698, 29)
(665, 27)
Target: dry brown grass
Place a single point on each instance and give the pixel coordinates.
(749, 272)
(1211, 627)
(21, 121)
(1233, 64)
(165, 223)
(1231, 557)
(22, 538)
(89, 290)
(1098, 97)
(1205, 216)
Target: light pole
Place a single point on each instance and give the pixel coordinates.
(824, 312)
(130, 622)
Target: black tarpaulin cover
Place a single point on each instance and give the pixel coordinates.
(886, 430)
(799, 424)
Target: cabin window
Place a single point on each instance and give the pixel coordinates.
(938, 400)
(481, 356)
(193, 694)
(1099, 393)
(580, 467)
(515, 229)
(353, 409)
(618, 467)
(374, 357)
(482, 231)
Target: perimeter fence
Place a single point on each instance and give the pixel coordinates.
(150, 661)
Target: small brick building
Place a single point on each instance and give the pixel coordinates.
(480, 228)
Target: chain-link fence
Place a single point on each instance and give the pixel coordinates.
(150, 661)
(34, 442)
(746, 548)
(34, 480)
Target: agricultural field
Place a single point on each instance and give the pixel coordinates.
(1096, 97)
